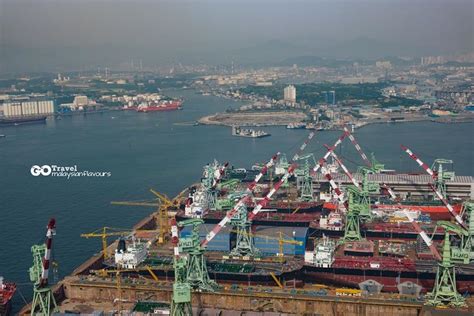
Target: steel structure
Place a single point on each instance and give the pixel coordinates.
(358, 204)
(196, 268)
(241, 201)
(303, 146)
(445, 290)
(304, 174)
(163, 203)
(358, 148)
(208, 183)
(163, 216)
(324, 159)
(353, 216)
(244, 245)
(244, 222)
(443, 174)
(106, 232)
(43, 302)
(435, 190)
(181, 299)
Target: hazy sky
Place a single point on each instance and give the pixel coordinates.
(67, 34)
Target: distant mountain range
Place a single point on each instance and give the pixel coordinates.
(318, 52)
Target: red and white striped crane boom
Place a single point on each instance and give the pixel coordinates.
(448, 206)
(250, 189)
(358, 148)
(390, 191)
(419, 162)
(344, 168)
(262, 172)
(339, 194)
(323, 160)
(424, 236)
(219, 175)
(303, 146)
(241, 202)
(434, 176)
(175, 237)
(275, 188)
(51, 231)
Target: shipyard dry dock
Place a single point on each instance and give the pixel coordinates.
(85, 292)
(288, 242)
(261, 301)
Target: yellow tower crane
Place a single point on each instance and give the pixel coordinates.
(163, 216)
(104, 233)
(163, 203)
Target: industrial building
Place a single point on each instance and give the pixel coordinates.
(414, 185)
(28, 108)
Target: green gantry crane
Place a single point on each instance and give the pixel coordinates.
(245, 245)
(207, 183)
(463, 252)
(445, 289)
(353, 218)
(196, 268)
(443, 170)
(43, 302)
(304, 174)
(181, 300)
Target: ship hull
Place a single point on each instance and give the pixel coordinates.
(436, 212)
(171, 106)
(351, 277)
(22, 121)
(6, 309)
(371, 233)
(6, 293)
(256, 221)
(158, 109)
(262, 277)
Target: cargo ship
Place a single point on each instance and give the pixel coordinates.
(232, 271)
(265, 218)
(332, 225)
(129, 108)
(140, 257)
(22, 120)
(389, 265)
(250, 133)
(296, 126)
(7, 290)
(165, 105)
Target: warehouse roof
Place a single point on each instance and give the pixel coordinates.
(401, 178)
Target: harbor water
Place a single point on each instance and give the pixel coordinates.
(163, 151)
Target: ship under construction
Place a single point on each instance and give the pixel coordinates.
(299, 236)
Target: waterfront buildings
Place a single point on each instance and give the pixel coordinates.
(289, 94)
(28, 108)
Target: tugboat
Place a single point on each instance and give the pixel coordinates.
(7, 290)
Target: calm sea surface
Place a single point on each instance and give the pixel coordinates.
(144, 151)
